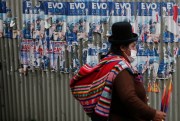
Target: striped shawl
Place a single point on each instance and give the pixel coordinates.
(92, 86)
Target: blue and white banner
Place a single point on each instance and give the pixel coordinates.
(99, 8)
(122, 8)
(55, 8)
(148, 8)
(77, 8)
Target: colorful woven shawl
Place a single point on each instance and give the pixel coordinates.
(92, 86)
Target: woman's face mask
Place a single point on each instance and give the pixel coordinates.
(133, 55)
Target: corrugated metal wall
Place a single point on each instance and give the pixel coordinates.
(45, 96)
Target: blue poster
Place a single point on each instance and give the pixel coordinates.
(33, 20)
(55, 20)
(99, 13)
(77, 22)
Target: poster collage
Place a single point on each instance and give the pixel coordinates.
(51, 29)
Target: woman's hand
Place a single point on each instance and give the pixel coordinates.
(159, 116)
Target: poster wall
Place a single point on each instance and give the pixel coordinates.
(57, 27)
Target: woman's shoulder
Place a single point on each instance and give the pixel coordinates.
(124, 65)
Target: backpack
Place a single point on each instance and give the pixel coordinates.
(92, 86)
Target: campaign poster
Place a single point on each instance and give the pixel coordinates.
(8, 30)
(58, 52)
(99, 14)
(55, 56)
(92, 58)
(26, 57)
(50, 55)
(55, 20)
(75, 63)
(147, 59)
(27, 5)
(166, 67)
(123, 11)
(77, 22)
(59, 22)
(62, 60)
(2, 16)
(38, 54)
(149, 21)
(38, 24)
(16, 33)
(28, 19)
(171, 17)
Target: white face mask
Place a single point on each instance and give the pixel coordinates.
(133, 56)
